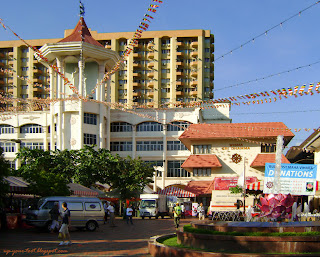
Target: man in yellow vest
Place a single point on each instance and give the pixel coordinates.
(177, 214)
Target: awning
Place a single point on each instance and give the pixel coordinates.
(255, 186)
(202, 161)
(263, 158)
(80, 190)
(175, 191)
(17, 184)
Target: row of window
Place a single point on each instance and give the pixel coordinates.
(148, 126)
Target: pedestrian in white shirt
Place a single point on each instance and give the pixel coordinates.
(129, 213)
(111, 214)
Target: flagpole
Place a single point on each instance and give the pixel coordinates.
(244, 185)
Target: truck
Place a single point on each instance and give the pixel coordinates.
(155, 205)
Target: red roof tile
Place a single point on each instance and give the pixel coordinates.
(200, 187)
(81, 33)
(202, 161)
(263, 158)
(232, 130)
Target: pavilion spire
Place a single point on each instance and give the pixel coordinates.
(82, 12)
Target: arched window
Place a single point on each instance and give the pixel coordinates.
(6, 129)
(120, 127)
(178, 125)
(149, 126)
(31, 128)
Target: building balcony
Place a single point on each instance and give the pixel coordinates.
(10, 54)
(107, 46)
(180, 63)
(194, 83)
(37, 71)
(150, 104)
(194, 63)
(194, 44)
(194, 74)
(179, 93)
(136, 55)
(10, 62)
(150, 94)
(135, 104)
(37, 89)
(136, 84)
(179, 83)
(136, 94)
(180, 54)
(150, 84)
(150, 45)
(180, 73)
(150, 64)
(10, 90)
(180, 43)
(150, 75)
(150, 55)
(194, 93)
(136, 65)
(37, 80)
(194, 54)
(136, 75)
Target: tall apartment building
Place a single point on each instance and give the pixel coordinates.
(166, 68)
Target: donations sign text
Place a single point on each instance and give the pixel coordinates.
(295, 179)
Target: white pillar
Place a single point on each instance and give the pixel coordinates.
(277, 170)
(60, 103)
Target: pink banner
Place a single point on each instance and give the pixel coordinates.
(224, 183)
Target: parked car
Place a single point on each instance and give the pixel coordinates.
(86, 212)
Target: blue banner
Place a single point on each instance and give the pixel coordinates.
(291, 170)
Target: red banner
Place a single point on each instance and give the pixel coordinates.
(224, 183)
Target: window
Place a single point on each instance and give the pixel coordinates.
(175, 146)
(165, 70)
(156, 163)
(207, 59)
(206, 69)
(165, 90)
(89, 139)
(24, 96)
(24, 68)
(8, 147)
(31, 128)
(120, 127)
(207, 50)
(122, 81)
(150, 126)
(25, 50)
(24, 87)
(202, 172)
(32, 145)
(178, 125)
(48, 205)
(175, 170)
(201, 149)
(73, 206)
(6, 129)
(165, 61)
(24, 59)
(90, 118)
(268, 148)
(165, 51)
(92, 206)
(12, 164)
(121, 146)
(149, 146)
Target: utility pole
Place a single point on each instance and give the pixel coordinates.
(277, 170)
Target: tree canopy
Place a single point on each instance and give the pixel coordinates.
(49, 172)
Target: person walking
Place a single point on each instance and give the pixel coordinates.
(54, 213)
(183, 209)
(105, 207)
(201, 212)
(111, 214)
(129, 213)
(66, 222)
(177, 215)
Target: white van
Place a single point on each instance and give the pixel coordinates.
(86, 212)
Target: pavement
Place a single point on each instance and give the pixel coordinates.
(122, 240)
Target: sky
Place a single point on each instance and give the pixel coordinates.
(232, 22)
